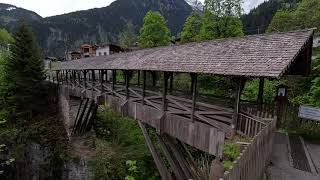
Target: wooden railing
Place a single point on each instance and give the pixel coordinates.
(254, 158)
(249, 125)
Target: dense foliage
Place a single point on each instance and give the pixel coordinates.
(224, 7)
(24, 97)
(219, 20)
(305, 16)
(121, 152)
(191, 27)
(259, 18)
(5, 37)
(154, 32)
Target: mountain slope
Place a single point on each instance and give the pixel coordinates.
(102, 25)
(9, 15)
(259, 18)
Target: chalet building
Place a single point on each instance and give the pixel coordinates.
(72, 55)
(108, 50)
(88, 50)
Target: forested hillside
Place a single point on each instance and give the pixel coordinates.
(258, 20)
(101, 25)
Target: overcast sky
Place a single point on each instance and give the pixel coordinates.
(55, 7)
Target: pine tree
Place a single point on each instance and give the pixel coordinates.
(154, 32)
(23, 90)
(191, 27)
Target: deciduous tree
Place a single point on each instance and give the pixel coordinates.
(5, 37)
(307, 15)
(191, 27)
(221, 20)
(154, 31)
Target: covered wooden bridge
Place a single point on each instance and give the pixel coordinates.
(181, 119)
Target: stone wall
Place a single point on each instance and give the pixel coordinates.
(68, 108)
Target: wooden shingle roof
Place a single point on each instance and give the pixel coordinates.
(267, 55)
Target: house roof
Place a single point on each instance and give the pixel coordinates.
(266, 55)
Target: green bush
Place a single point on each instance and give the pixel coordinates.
(121, 137)
(107, 162)
(231, 151)
(227, 164)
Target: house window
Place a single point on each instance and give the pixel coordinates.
(85, 50)
(99, 53)
(105, 53)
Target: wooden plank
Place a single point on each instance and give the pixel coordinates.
(180, 158)
(160, 165)
(194, 79)
(171, 159)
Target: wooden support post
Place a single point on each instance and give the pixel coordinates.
(157, 159)
(165, 92)
(62, 77)
(153, 78)
(72, 78)
(164, 103)
(79, 78)
(106, 75)
(127, 82)
(101, 80)
(86, 118)
(260, 94)
(57, 75)
(114, 79)
(239, 88)
(77, 117)
(194, 79)
(67, 81)
(85, 80)
(144, 86)
(138, 78)
(171, 82)
(93, 81)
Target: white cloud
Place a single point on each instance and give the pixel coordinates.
(250, 4)
(55, 7)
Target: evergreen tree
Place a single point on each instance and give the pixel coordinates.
(191, 27)
(154, 31)
(128, 37)
(23, 88)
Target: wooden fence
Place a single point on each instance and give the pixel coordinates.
(254, 158)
